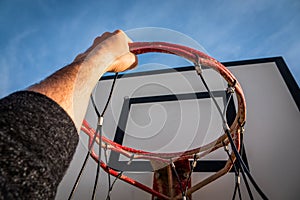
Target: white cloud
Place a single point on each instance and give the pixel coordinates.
(5, 78)
(11, 65)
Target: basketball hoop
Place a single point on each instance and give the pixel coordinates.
(230, 136)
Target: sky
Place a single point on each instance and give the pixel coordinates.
(37, 37)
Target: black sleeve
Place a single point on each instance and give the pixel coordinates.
(37, 143)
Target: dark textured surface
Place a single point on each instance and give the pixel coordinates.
(37, 143)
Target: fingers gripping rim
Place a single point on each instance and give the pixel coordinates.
(199, 58)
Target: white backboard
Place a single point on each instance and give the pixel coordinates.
(169, 110)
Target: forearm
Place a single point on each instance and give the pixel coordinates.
(71, 87)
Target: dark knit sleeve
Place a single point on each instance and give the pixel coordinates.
(37, 143)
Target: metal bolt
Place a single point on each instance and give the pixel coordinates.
(157, 175)
(185, 175)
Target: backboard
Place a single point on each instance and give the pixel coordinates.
(169, 110)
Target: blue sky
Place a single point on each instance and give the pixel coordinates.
(38, 37)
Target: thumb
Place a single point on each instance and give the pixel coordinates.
(123, 63)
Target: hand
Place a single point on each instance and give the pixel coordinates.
(115, 46)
